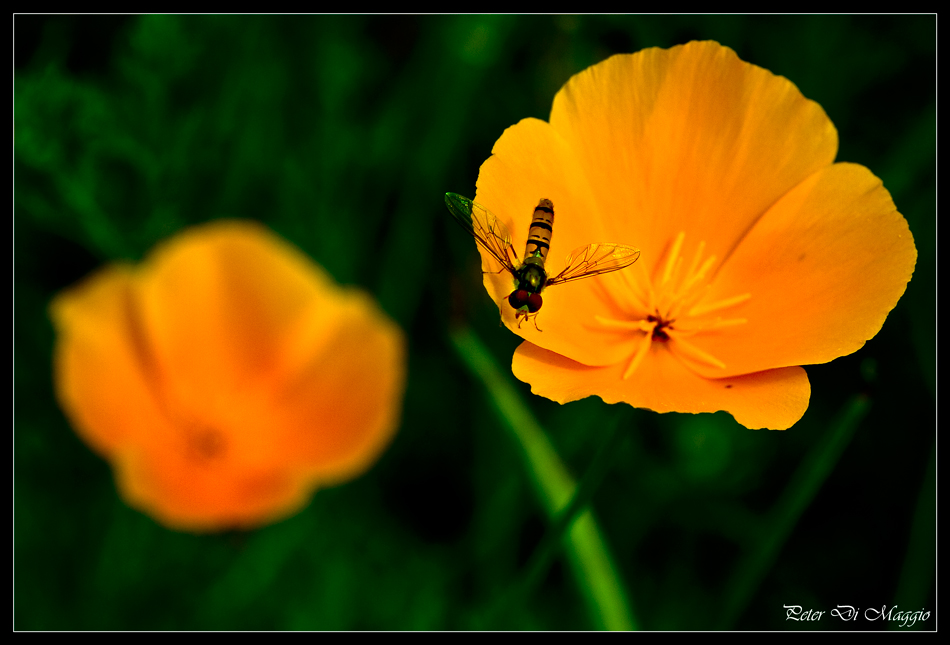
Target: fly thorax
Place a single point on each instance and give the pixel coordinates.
(532, 275)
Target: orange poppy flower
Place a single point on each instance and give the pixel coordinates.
(758, 253)
(227, 377)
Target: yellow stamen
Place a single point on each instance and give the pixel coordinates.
(641, 325)
(634, 293)
(673, 302)
(690, 351)
(673, 259)
(699, 275)
(697, 257)
(702, 309)
(627, 299)
(727, 322)
(718, 323)
(643, 348)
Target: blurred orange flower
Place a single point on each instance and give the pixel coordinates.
(758, 253)
(227, 377)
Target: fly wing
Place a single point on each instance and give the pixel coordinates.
(595, 259)
(487, 229)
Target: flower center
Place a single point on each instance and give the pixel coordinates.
(678, 306)
(659, 332)
(204, 443)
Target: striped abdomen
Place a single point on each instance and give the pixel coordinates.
(539, 235)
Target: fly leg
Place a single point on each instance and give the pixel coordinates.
(496, 272)
(521, 315)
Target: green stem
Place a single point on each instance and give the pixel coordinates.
(547, 549)
(586, 551)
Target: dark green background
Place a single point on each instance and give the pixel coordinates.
(342, 133)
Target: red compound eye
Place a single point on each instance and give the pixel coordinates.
(519, 298)
(534, 302)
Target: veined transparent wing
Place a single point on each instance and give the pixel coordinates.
(487, 229)
(595, 259)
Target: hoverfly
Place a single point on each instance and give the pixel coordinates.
(530, 276)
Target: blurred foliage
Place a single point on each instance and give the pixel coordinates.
(342, 133)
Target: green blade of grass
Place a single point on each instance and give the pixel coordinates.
(589, 558)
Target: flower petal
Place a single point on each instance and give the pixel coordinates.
(98, 370)
(193, 491)
(688, 139)
(824, 267)
(774, 399)
(219, 301)
(346, 390)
